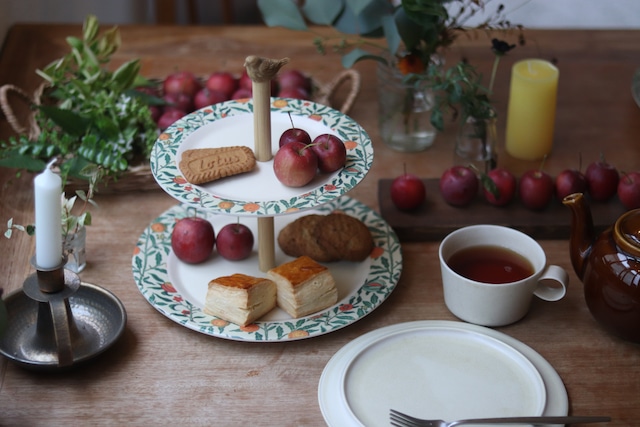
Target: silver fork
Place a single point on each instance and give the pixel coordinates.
(398, 419)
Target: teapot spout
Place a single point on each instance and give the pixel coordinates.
(582, 231)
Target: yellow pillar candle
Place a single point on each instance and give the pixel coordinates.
(532, 109)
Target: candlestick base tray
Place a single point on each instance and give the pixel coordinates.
(57, 330)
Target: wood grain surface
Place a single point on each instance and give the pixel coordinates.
(161, 373)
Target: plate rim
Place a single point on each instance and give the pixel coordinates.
(167, 174)
(557, 402)
(384, 273)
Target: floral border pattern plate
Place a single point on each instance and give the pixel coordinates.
(168, 284)
(258, 193)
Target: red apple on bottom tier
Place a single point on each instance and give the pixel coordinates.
(295, 164)
(192, 239)
(536, 189)
(330, 151)
(235, 242)
(459, 185)
(407, 192)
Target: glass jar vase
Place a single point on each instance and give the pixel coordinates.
(74, 249)
(404, 112)
(476, 143)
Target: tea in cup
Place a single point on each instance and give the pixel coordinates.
(490, 274)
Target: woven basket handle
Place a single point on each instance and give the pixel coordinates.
(31, 129)
(325, 92)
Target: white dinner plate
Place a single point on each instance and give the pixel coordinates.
(258, 193)
(437, 369)
(178, 290)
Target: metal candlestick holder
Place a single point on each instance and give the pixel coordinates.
(57, 321)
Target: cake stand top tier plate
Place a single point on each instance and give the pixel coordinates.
(258, 193)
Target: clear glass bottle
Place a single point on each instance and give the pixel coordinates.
(476, 143)
(404, 112)
(74, 248)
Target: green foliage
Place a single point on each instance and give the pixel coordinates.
(420, 27)
(90, 115)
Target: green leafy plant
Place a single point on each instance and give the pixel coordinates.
(416, 33)
(414, 30)
(460, 89)
(89, 115)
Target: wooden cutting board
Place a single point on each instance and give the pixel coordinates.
(435, 218)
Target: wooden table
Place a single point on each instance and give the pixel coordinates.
(162, 373)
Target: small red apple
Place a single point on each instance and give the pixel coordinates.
(235, 242)
(602, 180)
(295, 164)
(222, 81)
(294, 135)
(331, 152)
(169, 116)
(407, 192)
(459, 185)
(570, 181)
(193, 239)
(206, 97)
(629, 190)
(502, 186)
(179, 101)
(536, 189)
(242, 93)
(293, 92)
(292, 78)
(183, 82)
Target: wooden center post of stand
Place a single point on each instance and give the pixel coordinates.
(262, 71)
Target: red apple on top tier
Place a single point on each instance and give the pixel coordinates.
(570, 181)
(295, 164)
(536, 189)
(407, 192)
(602, 180)
(222, 81)
(629, 190)
(459, 185)
(192, 239)
(183, 82)
(235, 242)
(294, 135)
(503, 189)
(331, 152)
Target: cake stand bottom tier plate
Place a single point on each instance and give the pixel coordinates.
(178, 290)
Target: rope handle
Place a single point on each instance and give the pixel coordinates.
(31, 129)
(324, 93)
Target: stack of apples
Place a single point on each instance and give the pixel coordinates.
(299, 158)
(182, 92)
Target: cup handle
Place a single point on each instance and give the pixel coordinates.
(552, 292)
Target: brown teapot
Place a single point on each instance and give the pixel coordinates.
(609, 267)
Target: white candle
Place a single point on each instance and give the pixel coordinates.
(48, 206)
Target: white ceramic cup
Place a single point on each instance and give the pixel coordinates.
(491, 304)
